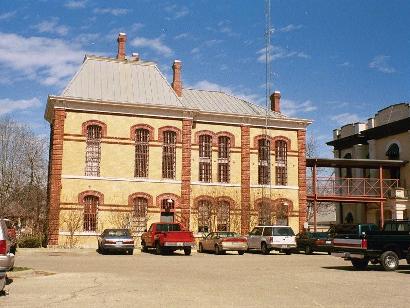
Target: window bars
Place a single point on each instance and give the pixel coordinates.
(139, 214)
(281, 170)
(222, 216)
(263, 161)
(141, 152)
(90, 213)
(204, 216)
(224, 147)
(205, 158)
(93, 150)
(168, 155)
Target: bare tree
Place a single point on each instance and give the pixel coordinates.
(73, 222)
(121, 220)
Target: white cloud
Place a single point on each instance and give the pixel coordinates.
(73, 4)
(292, 108)
(345, 64)
(345, 118)
(278, 52)
(195, 50)
(112, 11)
(52, 27)
(8, 105)
(7, 15)
(154, 44)
(48, 61)
(181, 36)
(289, 28)
(380, 64)
(176, 11)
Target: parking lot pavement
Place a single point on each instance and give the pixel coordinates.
(83, 278)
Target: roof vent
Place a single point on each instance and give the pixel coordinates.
(135, 57)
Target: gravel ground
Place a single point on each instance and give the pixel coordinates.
(84, 278)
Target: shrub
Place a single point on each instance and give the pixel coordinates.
(30, 241)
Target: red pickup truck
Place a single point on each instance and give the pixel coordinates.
(166, 238)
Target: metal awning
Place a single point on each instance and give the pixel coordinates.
(353, 163)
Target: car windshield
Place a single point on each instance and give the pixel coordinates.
(227, 234)
(117, 233)
(347, 229)
(168, 227)
(283, 231)
(319, 235)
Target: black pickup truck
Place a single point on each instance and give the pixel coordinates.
(386, 247)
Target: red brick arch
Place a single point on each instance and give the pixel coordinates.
(94, 122)
(259, 137)
(226, 134)
(232, 203)
(203, 198)
(283, 201)
(163, 129)
(283, 138)
(206, 132)
(143, 126)
(94, 193)
(132, 197)
(176, 198)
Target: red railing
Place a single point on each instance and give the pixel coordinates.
(351, 187)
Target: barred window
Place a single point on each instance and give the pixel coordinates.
(90, 213)
(140, 208)
(222, 216)
(263, 161)
(282, 214)
(205, 158)
(141, 152)
(281, 169)
(204, 216)
(224, 147)
(93, 150)
(168, 155)
(265, 213)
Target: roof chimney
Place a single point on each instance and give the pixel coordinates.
(122, 38)
(177, 83)
(275, 101)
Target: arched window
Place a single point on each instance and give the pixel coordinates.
(393, 153)
(281, 161)
(205, 158)
(90, 212)
(263, 161)
(93, 150)
(139, 214)
(282, 214)
(141, 152)
(265, 213)
(224, 147)
(204, 216)
(169, 154)
(222, 216)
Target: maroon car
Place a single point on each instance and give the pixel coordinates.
(11, 233)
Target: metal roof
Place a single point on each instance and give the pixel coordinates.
(220, 102)
(109, 79)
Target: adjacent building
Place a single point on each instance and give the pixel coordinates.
(386, 136)
(127, 148)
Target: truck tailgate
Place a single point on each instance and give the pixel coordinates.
(178, 236)
(351, 243)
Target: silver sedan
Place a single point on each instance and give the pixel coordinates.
(116, 240)
(220, 242)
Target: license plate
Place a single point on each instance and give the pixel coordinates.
(284, 246)
(118, 243)
(180, 244)
(328, 242)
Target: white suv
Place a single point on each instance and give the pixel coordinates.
(267, 238)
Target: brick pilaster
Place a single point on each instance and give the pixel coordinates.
(302, 177)
(186, 171)
(54, 175)
(245, 179)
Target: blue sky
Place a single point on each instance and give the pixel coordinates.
(334, 62)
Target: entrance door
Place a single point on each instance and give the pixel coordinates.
(167, 210)
(167, 217)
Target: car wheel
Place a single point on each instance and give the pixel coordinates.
(241, 252)
(360, 264)
(144, 247)
(158, 248)
(131, 252)
(2, 282)
(389, 260)
(217, 250)
(288, 252)
(200, 248)
(308, 250)
(264, 249)
(187, 251)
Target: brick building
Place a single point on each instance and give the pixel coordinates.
(127, 145)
